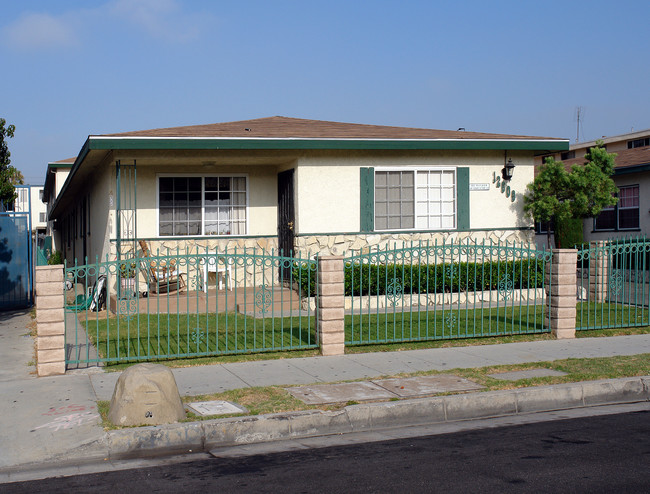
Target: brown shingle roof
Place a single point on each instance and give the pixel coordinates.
(286, 128)
(625, 158)
(65, 161)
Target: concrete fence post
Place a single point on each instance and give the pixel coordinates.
(50, 326)
(598, 273)
(562, 293)
(330, 308)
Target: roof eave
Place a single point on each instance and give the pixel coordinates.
(623, 170)
(85, 149)
(170, 143)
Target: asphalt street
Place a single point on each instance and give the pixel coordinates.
(609, 453)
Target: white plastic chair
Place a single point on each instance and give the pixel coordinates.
(221, 269)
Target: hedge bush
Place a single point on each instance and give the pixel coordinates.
(432, 278)
(568, 233)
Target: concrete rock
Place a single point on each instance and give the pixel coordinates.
(146, 394)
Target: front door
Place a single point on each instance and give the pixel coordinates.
(286, 219)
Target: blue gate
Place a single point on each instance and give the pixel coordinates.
(15, 261)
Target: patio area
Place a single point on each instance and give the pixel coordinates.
(255, 301)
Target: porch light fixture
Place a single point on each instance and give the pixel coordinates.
(506, 171)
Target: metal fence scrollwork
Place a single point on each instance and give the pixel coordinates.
(613, 284)
(425, 291)
(190, 303)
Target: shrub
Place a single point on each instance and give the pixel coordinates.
(372, 279)
(56, 257)
(568, 233)
(127, 269)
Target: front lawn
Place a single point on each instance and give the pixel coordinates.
(164, 336)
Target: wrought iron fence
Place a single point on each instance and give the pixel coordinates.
(442, 291)
(613, 284)
(186, 304)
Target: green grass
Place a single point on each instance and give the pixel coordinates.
(590, 315)
(391, 324)
(153, 336)
(578, 370)
(205, 337)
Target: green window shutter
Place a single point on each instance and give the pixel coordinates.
(367, 199)
(462, 188)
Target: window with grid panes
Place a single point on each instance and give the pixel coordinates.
(415, 199)
(624, 215)
(214, 205)
(628, 207)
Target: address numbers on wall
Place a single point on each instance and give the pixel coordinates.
(503, 185)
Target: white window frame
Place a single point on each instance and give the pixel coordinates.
(617, 208)
(203, 176)
(620, 208)
(415, 170)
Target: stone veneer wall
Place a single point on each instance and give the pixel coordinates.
(343, 244)
(212, 243)
(338, 244)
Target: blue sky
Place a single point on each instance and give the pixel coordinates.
(73, 68)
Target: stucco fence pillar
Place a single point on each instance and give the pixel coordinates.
(330, 308)
(598, 272)
(50, 325)
(562, 290)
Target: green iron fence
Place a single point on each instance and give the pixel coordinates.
(613, 281)
(187, 304)
(443, 291)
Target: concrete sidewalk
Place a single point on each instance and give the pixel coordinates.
(218, 378)
(56, 419)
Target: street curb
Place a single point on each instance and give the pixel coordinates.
(209, 434)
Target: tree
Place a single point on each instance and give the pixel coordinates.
(9, 176)
(557, 195)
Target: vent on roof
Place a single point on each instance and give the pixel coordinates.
(247, 130)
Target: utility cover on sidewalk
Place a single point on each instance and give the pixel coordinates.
(215, 407)
(340, 393)
(427, 385)
(384, 389)
(527, 374)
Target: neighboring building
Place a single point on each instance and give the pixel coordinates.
(631, 216)
(29, 200)
(56, 175)
(292, 184)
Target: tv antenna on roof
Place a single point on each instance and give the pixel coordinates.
(580, 115)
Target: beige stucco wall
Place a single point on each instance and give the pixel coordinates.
(95, 194)
(102, 209)
(37, 207)
(59, 179)
(492, 209)
(327, 196)
(327, 187)
(60, 175)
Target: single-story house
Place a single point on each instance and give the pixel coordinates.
(291, 184)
